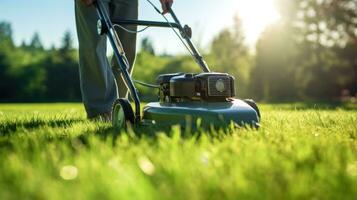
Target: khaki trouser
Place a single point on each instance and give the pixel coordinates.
(100, 85)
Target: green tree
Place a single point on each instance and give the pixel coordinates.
(66, 49)
(273, 77)
(7, 61)
(35, 43)
(229, 54)
(62, 79)
(147, 46)
(6, 33)
(328, 34)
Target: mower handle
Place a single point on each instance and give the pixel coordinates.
(146, 23)
(119, 54)
(185, 31)
(187, 36)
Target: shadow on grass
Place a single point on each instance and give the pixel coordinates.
(154, 132)
(13, 126)
(104, 134)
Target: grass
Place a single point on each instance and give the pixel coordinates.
(50, 151)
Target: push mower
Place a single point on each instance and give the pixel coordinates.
(183, 97)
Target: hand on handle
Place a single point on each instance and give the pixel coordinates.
(166, 5)
(87, 2)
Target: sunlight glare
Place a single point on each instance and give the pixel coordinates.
(256, 15)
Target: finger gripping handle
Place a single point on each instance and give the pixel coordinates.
(168, 6)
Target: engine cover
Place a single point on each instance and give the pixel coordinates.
(182, 87)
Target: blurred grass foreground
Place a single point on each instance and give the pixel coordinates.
(50, 151)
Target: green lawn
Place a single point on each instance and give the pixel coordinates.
(50, 151)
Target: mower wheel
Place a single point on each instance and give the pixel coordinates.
(122, 114)
(254, 105)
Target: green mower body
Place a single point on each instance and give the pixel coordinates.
(205, 114)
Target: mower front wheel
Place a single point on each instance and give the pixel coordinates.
(122, 114)
(254, 105)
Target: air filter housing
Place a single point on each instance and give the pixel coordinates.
(181, 87)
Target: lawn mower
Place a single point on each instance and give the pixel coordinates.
(184, 98)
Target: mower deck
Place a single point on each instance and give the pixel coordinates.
(216, 114)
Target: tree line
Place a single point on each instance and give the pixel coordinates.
(31, 73)
(310, 54)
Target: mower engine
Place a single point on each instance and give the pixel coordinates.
(210, 87)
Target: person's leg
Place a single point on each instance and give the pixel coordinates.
(125, 9)
(97, 82)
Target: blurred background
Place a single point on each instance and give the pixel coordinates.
(278, 50)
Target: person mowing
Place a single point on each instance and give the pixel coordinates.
(101, 86)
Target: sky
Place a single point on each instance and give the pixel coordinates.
(51, 18)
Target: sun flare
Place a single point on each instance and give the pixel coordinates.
(256, 15)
